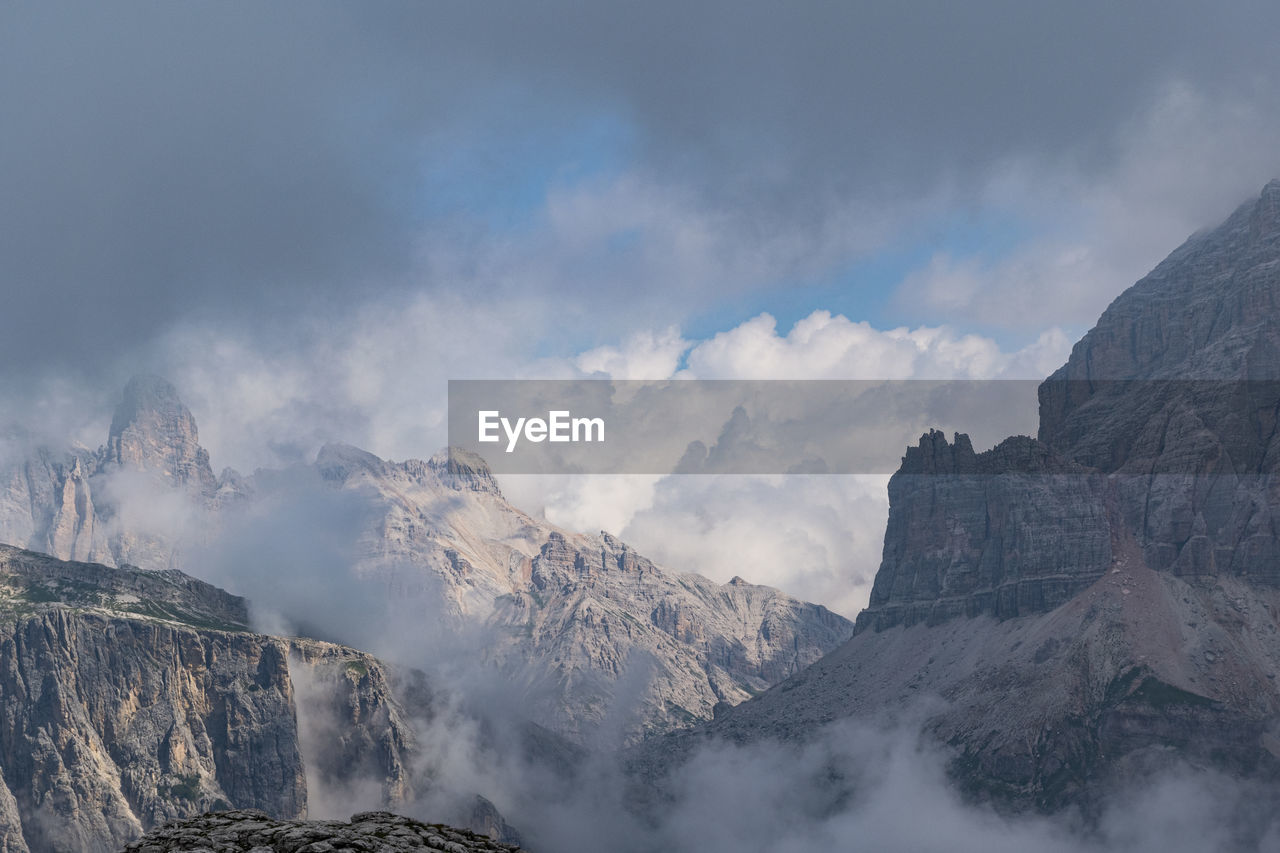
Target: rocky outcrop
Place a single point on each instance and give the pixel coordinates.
(464, 471)
(47, 504)
(131, 698)
(1206, 312)
(1176, 392)
(113, 725)
(1011, 531)
(379, 832)
(154, 432)
(352, 729)
(1162, 425)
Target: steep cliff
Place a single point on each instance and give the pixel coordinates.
(1011, 531)
(1176, 391)
(130, 698)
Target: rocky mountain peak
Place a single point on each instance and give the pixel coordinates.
(1191, 349)
(1268, 205)
(336, 462)
(934, 455)
(154, 431)
(464, 471)
(1210, 310)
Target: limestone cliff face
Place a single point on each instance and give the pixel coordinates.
(1101, 601)
(46, 503)
(154, 432)
(129, 698)
(1176, 392)
(352, 728)
(594, 613)
(113, 725)
(574, 615)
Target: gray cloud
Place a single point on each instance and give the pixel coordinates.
(856, 785)
(160, 160)
(247, 161)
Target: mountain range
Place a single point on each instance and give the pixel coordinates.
(564, 614)
(135, 694)
(1067, 615)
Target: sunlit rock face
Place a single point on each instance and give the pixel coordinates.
(589, 630)
(155, 433)
(131, 698)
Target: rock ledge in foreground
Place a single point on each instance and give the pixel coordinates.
(252, 831)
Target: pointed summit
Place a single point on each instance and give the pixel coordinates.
(1209, 311)
(154, 431)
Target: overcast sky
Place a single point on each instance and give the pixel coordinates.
(686, 163)
(310, 215)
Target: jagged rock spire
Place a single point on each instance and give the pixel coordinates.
(154, 431)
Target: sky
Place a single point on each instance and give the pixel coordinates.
(310, 216)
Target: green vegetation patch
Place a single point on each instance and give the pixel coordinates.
(38, 593)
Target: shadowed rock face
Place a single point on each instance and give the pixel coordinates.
(1162, 426)
(1011, 531)
(1101, 602)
